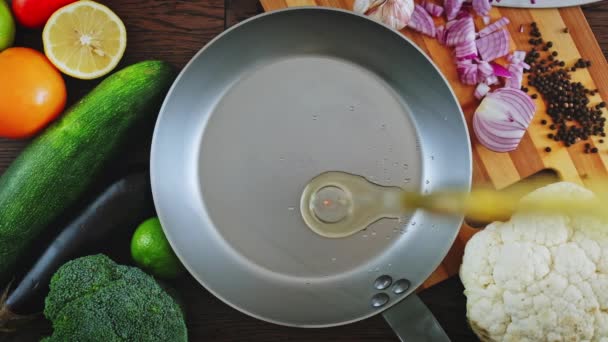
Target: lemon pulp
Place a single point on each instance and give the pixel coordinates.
(85, 39)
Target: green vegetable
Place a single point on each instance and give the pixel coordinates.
(151, 250)
(7, 26)
(59, 165)
(94, 299)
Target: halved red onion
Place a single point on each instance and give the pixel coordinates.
(482, 7)
(460, 31)
(500, 70)
(433, 9)
(494, 45)
(452, 7)
(466, 50)
(422, 22)
(502, 118)
(493, 27)
(481, 90)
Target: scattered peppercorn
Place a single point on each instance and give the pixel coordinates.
(567, 102)
(547, 149)
(602, 104)
(594, 150)
(566, 30)
(601, 141)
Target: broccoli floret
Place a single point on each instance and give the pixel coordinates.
(94, 299)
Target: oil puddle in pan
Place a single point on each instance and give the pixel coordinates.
(339, 204)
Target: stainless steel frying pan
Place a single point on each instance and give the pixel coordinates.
(272, 103)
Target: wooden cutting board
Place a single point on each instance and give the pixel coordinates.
(504, 169)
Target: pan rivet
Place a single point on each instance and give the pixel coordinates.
(383, 282)
(331, 204)
(401, 286)
(379, 300)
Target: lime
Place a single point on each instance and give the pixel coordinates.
(7, 26)
(152, 252)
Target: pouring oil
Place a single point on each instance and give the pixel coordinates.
(339, 204)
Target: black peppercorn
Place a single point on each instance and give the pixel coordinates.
(552, 126)
(602, 104)
(547, 149)
(534, 96)
(543, 122)
(566, 30)
(594, 150)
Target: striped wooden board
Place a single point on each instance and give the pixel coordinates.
(504, 169)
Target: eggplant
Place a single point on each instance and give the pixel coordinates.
(125, 203)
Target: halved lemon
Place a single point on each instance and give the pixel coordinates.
(84, 39)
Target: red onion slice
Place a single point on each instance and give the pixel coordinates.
(484, 70)
(517, 72)
(516, 57)
(482, 7)
(493, 27)
(481, 90)
(433, 9)
(494, 45)
(422, 22)
(452, 7)
(467, 72)
(502, 118)
(500, 70)
(491, 80)
(466, 50)
(440, 34)
(460, 31)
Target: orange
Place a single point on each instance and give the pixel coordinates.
(32, 92)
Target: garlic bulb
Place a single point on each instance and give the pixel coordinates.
(394, 13)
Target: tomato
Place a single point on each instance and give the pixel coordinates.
(34, 13)
(32, 92)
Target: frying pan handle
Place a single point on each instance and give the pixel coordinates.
(412, 321)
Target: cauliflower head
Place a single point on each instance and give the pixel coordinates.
(539, 277)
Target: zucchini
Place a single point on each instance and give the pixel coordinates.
(58, 166)
(122, 206)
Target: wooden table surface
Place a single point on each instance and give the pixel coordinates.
(175, 31)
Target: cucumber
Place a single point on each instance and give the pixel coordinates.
(58, 166)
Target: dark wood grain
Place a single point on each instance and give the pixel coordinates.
(175, 31)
